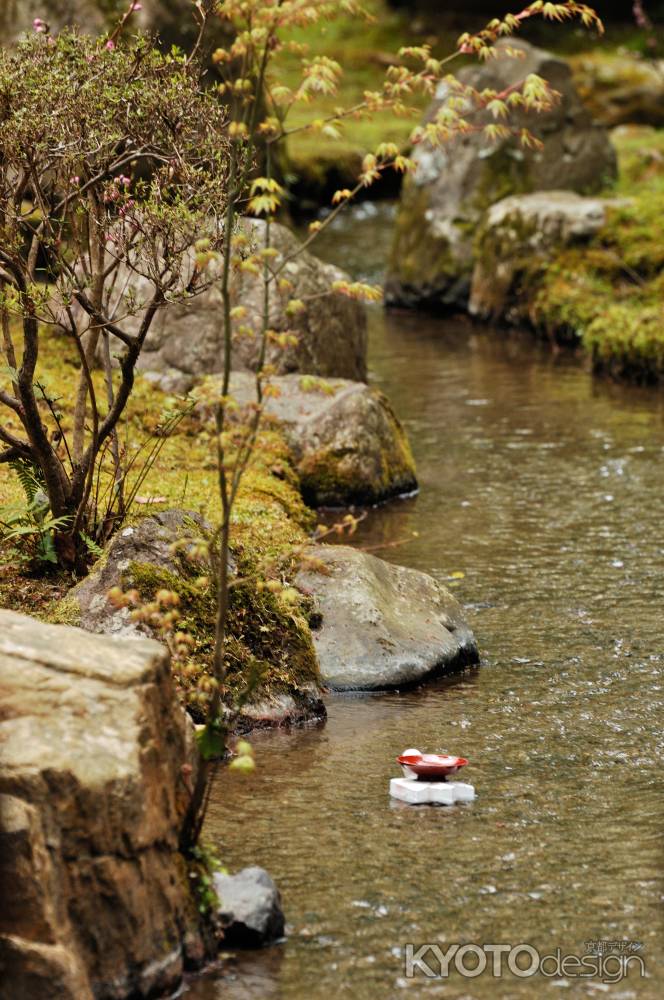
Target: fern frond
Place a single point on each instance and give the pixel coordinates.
(29, 478)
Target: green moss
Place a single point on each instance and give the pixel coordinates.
(418, 257)
(619, 86)
(627, 340)
(66, 611)
(328, 479)
(269, 643)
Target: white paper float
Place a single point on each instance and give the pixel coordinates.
(441, 793)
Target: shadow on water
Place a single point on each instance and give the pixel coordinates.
(544, 489)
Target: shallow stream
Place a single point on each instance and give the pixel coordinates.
(545, 489)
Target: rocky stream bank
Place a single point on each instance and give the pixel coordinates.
(563, 238)
(96, 731)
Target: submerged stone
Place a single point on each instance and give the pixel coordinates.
(250, 909)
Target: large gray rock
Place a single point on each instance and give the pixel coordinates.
(522, 232)
(454, 184)
(186, 336)
(95, 895)
(249, 908)
(348, 444)
(381, 625)
(332, 329)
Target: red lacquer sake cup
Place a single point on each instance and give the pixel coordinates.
(432, 766)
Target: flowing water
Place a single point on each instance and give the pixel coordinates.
(544, 489)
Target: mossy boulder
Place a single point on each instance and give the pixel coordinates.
(444, 200)
(522, 232)
(347, 443)
(144, 546)
(597, 287)
(268, 640)
(380, 625)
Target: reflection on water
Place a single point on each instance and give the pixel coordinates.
(544, 489)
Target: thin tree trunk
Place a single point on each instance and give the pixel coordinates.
(91, 341)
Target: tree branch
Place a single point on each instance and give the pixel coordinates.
(102, 321)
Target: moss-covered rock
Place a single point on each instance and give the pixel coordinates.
(347, 442)
(521, 233)
(269, 643)
(454, 184)
(601, 291)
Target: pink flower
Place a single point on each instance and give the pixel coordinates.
(74, 180)
(110, 45)
(137, 7)
(39, 25)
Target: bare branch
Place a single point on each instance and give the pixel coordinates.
(102, 321)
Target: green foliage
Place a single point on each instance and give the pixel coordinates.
(29, 478)
(27, 529)
(211, 739)
(92, 547)
(204, 862)
(243, 760)
(111, 156)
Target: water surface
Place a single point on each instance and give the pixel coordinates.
(544, 489)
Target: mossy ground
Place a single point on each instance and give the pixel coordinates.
(268, 637)
(609, 295)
